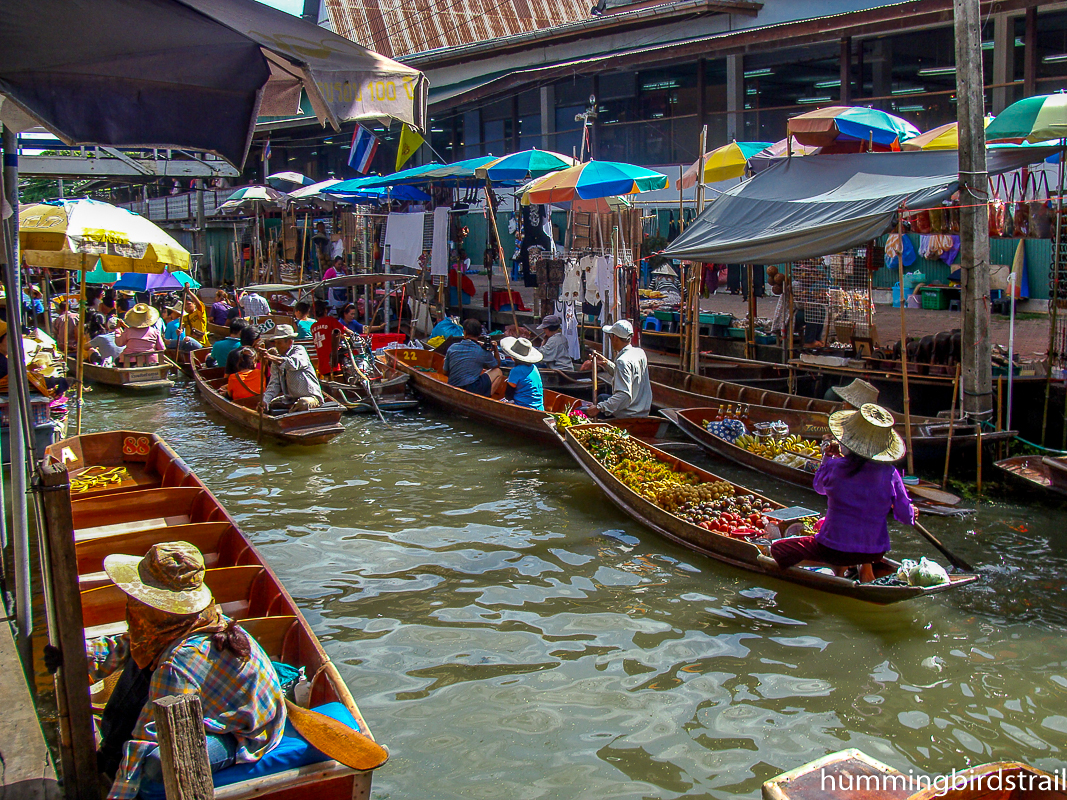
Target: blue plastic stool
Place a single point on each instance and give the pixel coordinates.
(651, 323)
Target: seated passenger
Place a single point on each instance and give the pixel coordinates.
(247, 381)
(524, 381)
(469, 365)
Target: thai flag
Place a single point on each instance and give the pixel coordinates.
(364, 146)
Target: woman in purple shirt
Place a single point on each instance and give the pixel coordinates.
(862, 487)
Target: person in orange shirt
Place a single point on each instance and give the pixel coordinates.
(247, 382)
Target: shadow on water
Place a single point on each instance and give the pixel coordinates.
(510, 634)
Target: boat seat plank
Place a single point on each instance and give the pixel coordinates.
(107, 603)
(206, 536)
(270, 632)
(84, 534)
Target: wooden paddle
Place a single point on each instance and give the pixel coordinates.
(954, 559)
(335, 739)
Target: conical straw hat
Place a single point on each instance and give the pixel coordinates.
(868, 433)
(857, 393)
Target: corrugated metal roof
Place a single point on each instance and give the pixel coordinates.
(398, 28)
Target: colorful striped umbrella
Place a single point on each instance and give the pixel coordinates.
(139, 282)
(943, 137)
(836, 124)
(248, 197)
(595, 179)
(525, 165)
(458, 173)
(723, 163)
(1033, 119)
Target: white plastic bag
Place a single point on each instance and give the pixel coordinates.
(928, 573)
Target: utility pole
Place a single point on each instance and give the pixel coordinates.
(974, 223)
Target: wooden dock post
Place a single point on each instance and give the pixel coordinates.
(183, 747)
(77, 745)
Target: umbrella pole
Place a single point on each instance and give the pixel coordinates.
(494, 234)
(78, 356)
(304, 248)
(66, 327)
(1054, 300)
(904, 345)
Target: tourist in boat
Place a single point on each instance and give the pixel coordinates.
(103, 346)
(350, 319)
(631, 388)
(173, 336)
(254, 305)
(293, 384)
(195, 322)
(249, 338)
(857, 394)
(247, 381)
(555, 348)
(139, 337)
(471, 365)
(302, 314)
(65, 328)
(221, 350)
(179, 642)
(326, 336)
(220, 309)
(862, 487)
(336, 296)
(524, 386)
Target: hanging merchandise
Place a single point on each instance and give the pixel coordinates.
(570, 329)
(587, 266)
(1021, 211)
(605, 278)
(571, 290)
(1040, 216)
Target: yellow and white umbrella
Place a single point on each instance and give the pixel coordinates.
(75, 234)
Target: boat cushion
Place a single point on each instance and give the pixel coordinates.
(292, 751)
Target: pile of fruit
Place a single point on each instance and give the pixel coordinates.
(716, 506)
(792, 450)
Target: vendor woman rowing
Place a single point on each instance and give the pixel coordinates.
(861, 486)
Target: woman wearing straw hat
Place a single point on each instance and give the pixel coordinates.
(139, 337)
(861, 486)
(524, 386)
(178, 642)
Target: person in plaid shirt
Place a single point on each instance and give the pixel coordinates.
(178, 642)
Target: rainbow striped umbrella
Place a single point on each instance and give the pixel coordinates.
(835, 124)
(1033, 119)
(723, 163)
(595, 179)
(525, 165)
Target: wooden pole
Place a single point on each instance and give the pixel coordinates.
(1054, 300)
(904, 344)
(60, 562)
(951, 424)
(978, 459)
(1000, 412)
(750, 334)
(494, 234)
(66, 327)
(183, 747)
(304, 247)
(79, 369)
(974, 226)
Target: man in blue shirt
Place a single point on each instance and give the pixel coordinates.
(524, 380)
(221, 350)
(466, 360)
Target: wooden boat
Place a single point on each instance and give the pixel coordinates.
(1041, 472)
(181, 360)
(424, 367)
(134, 379)
(389, 395)
(691, 422)
(674, 388)
(316, 426)
(854, 775)
(264, 324)
(159, 499)
(737, 552)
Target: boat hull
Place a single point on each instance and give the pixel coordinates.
(1035, 473)
(729, 550)
(129, 379)
(313, 427)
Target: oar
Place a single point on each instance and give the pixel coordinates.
(366, 381)
(335, 739)
(955, 560)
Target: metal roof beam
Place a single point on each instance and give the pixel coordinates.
(120, 165)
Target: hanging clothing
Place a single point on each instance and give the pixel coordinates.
(570, 328)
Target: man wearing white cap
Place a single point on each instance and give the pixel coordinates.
(631, 389)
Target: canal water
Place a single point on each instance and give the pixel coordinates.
(509, 634)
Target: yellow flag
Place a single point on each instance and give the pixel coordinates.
(410, 141)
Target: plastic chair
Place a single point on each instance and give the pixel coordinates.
(651, 323)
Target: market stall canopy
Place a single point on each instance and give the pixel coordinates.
(81, 234)
(839, 124)
(190, 74)
(1032, 119)
(943, 137)
(814, 206)
(457, 174)
(142, 282)
(314, 190)
(341, 281)
(357, 190)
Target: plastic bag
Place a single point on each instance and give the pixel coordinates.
(923, 573)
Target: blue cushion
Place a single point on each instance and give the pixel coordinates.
(292, 751)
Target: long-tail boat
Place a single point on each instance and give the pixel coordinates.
(742, 553)
(152, 378)
(316, 426)
(131, 491)
(263, 323)
(692, 422)
(854, 775)
(1038, 472)
(674, 388)
(389, 395)
(424, 367)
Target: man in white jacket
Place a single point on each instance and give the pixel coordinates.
(631, 389)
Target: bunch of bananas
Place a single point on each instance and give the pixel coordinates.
(771, 448)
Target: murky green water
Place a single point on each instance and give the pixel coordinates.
(509, 634)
